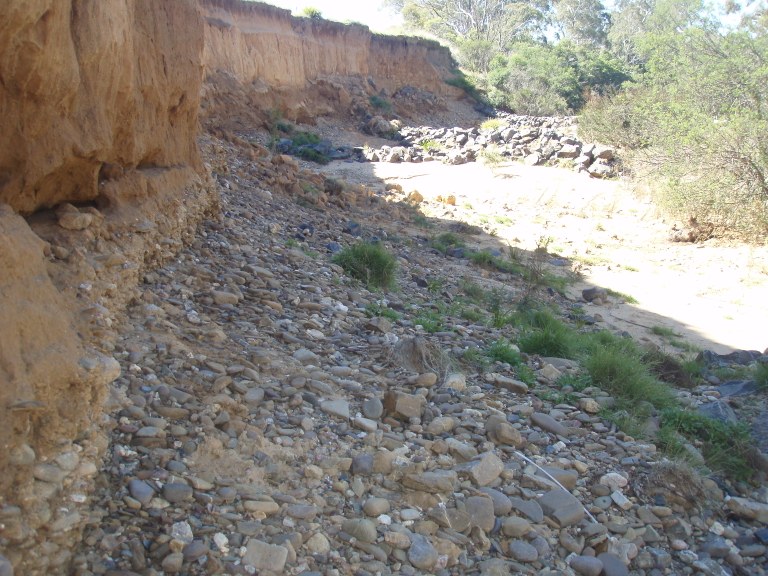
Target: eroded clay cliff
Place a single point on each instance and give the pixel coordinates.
(101, 178)
(260, 59)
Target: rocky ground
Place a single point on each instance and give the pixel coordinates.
(272, 417)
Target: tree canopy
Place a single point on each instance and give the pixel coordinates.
(682, 85)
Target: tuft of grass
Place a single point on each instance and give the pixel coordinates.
(619, 369)
(436, 284)
(502, 351)
(725, 446)
(430, 321)
(471, 314)
(472, 290)
(664, 332)
(373, 310)
(577, 382)
(628, 299)
(760, 375)
(422, 221)
(492, 124)
(547, 335)
(429, 144)
(491, 156)
(525, 374)
(369, 263)
(445, 241)
(380, 103)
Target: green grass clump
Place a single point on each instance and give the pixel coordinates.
(369, 263)
(377, 310)
(664, 332)
(547, 335)
(619, 369)
(502, 351)
(492, 124)
(760, 375)
(483, 258)
(491, 156)
(472, 290)
(430, 321)
(725, 446)
(380, 103)
(525, 374)
(472, 314)
(445, 241)
(429, 144)
(300, 138)
(577, 382)
(627, 298)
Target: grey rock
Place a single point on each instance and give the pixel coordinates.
(361, 528)
(195, 549)
(562, 507)
(362, 464)
(612, 565)
(302, 511)
(376, 506)
(422, 553)
(567, 478)
(338, 408)
(404, 406)
(522, 551)
(6, 568)
(528, 508)
(546, 422)
(586, 565)
(482, 470)
(502, 505)
(172, 564)
(176, 492)
(264, 556)
(373, 408)
(480, 511)
(439, 481)
(141, 491)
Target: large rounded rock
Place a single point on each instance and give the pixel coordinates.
(421, 553)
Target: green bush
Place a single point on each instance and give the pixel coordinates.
(697, 127)
(380, 103)
(369, 263)
(311, 12)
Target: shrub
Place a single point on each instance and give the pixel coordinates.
(311, 12)
(369, 263)
(697, 127)
(380, 103)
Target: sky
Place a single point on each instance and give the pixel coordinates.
(369, 12)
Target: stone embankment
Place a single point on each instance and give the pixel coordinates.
(534, 140)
